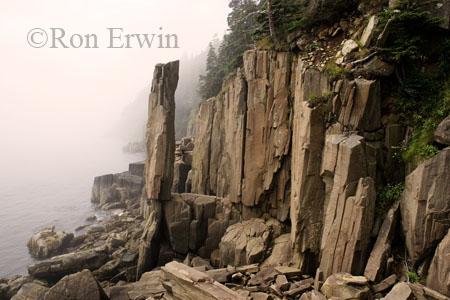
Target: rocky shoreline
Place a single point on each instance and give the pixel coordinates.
(276, 195)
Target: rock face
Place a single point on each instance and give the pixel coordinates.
(313, 181)
(149, 243)
(442, 133)
(200, 156)
(345, 247)
(80, 285)
(267, 137)
(122, 190)
(439, 272)
(248, 121)
(425, 204)
(47, 243)
(308, 189)
(161, 132)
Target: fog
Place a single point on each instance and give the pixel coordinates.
(60, 96)
(66, 112)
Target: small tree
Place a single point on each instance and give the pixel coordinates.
(210, 83)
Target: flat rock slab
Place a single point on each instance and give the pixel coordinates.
(59, 266)
(401, 291)
(189, 284)
(288, 271)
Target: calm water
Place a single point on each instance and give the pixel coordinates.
(49, 185)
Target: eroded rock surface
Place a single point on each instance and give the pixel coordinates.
(425, 205)
(439, 272)
(47, 243)
(161, 132)
(82, 286)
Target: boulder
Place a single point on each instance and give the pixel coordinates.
(424, 205)
(442, 133)
(439, 272)
(31, 291)
(369, 31)
(59, 266)
(245, 243)
(150, 285)
(80, 285)
(401, 291)
(349, 46)
(10, 287)
(345, 287)
(47, 243)
(281, 252)
(161, 132)
(189, 284)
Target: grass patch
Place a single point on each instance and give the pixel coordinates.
(386, 197)
(413, 277)
(334, 71)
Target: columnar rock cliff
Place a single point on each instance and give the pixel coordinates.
(325, 177)
(279, 184)
(285, 140)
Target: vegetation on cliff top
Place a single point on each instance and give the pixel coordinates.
(262, 24)
(421, 50)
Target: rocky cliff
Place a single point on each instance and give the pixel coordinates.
(279, 195)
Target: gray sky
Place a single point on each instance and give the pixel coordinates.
(73, 95)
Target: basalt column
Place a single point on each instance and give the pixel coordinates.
(160, 143)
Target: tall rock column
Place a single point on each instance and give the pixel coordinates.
(160, 139)
(268, 132)
(350, 207)
(308, 190)
(160, 143)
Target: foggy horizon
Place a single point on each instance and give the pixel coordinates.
(66, 113)
(81, 93)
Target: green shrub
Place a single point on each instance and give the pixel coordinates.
(413, 33)
(413, 277)
(386, 196)
(334, 71)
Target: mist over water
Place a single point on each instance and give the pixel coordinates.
(65, 114)
(51, 187)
